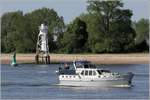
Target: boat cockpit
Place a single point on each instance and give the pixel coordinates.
(83, 64)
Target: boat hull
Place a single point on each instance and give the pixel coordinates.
(125, 80)
(94, 83)
(85, 74)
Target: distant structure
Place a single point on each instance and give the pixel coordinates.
(42, 49)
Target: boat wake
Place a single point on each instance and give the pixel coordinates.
(122, 86)
(24, 84)
(117, 86)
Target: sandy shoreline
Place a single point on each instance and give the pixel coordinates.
(139, 58)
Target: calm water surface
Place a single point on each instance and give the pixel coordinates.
(29, 81)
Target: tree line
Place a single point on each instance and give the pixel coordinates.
(105, 28)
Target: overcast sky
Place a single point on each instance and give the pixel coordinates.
(70, 9)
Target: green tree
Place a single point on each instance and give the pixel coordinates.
(12, 31)
(21, 31)
(75, 38)
(95, 37)
(142, 34)
(113, 24)
(48, 16)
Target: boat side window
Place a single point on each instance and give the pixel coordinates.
(90, 73)
(94, 73)
(82, 73)
(86, 72)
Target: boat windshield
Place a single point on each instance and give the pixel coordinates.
(84, 64)
(89, 66)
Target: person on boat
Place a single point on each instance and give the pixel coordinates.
(66, 66)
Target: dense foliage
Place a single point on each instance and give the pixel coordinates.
(105, 28)
(21, 31)
(109, 27)
(75, 38)
(142, 35)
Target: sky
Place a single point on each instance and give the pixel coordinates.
(70, 9)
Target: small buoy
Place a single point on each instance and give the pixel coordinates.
(13, 62)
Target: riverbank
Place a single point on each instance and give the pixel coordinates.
(137, 58)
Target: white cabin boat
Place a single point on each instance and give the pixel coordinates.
(83, 73)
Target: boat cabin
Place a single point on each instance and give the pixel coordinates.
(83, 64)
(82, 67)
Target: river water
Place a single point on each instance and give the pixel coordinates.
(29, 81)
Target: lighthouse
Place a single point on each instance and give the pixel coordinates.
(42, 49)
